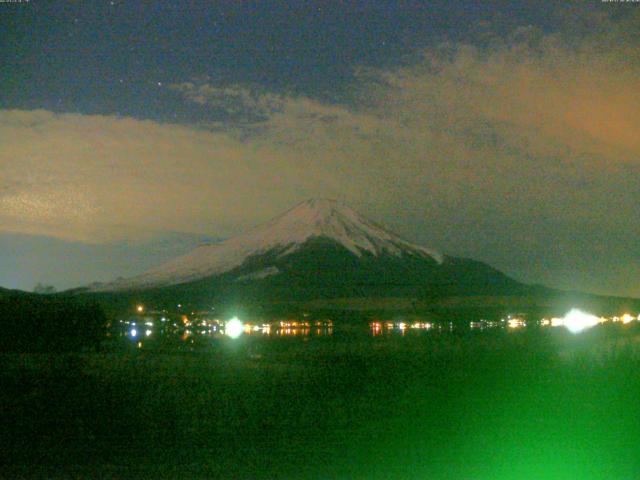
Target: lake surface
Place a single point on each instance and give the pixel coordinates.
(350, 404)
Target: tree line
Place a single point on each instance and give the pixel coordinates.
(49, 323)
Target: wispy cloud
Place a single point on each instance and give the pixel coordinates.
(506, 151)
(95, 178)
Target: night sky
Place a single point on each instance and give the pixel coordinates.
(508, 132)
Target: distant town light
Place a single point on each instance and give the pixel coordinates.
(140, 308)
(234, 328)
(516, 322)
(627, 318)
(134, 332)
(147, 332)
(576, 321)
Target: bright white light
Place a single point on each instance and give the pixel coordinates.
(626, 318)
(516, 323)
(576, 321)
(557, 322)
(234, 328)
(147, 333)
(134, 332)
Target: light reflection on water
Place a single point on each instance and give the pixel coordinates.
(194, 330)
(379, 328)
(188, 331)
(202, 334)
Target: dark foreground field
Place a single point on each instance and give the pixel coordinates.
(525, 405)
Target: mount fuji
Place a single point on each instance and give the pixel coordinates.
(318, 249)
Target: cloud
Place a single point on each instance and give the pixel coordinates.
(524, 151)
(234, 100)
(97, 178)
(531, 120)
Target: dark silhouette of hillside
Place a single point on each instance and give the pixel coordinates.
(49, 323)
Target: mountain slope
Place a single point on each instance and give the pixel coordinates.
(320, 249)
(279, 238)
(322, 253)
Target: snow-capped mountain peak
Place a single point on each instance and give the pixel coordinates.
(286, 233)
(334, 220)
